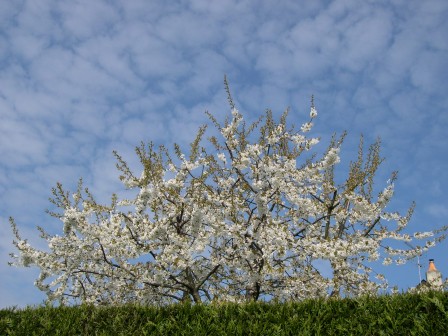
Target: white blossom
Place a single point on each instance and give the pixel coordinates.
(222, 157)
(306, 127)
(331, 158)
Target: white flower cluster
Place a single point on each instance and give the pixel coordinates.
(331, 158)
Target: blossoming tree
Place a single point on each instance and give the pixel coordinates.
(249, 219)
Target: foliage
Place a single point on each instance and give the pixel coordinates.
(424, 314)
(246, 220)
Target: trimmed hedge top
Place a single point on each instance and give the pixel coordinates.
(407, 314)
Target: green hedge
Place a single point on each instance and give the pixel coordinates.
(407, 314)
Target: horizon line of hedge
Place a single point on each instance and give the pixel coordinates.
(402, 314)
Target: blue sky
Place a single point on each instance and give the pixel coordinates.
(79, 79)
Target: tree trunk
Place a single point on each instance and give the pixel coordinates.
(196, 297)
(253, 292)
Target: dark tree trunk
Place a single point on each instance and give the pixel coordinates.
(253, 292)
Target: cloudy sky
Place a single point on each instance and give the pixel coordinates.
(81, 78)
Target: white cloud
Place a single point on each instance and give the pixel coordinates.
(35, 18)
(20, 144)
(429, 72)
(82, 18)
(365, 41)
